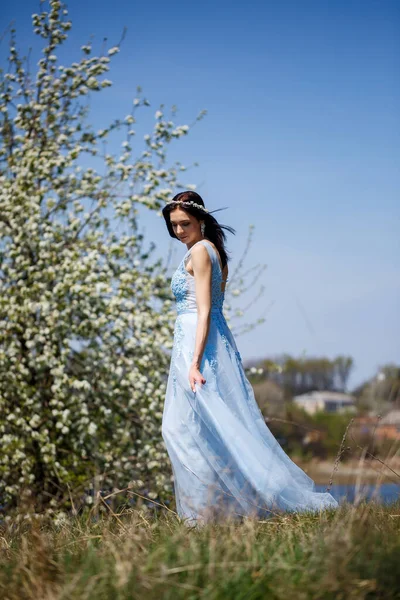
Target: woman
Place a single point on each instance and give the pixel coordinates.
(225, 461)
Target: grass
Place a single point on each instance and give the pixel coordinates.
(352, 553)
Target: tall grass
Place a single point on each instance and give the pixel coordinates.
(351, 553)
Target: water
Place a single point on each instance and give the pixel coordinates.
(386, 493)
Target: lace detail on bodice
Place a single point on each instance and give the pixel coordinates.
(180, 287)
(183, 283)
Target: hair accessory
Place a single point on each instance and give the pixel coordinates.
(188, 203)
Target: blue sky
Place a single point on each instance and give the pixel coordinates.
(301, 139)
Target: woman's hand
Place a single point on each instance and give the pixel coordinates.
(195, 377)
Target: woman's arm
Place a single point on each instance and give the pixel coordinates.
(202, 269)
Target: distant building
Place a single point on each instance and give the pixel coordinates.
(330, 402)
(391, 418)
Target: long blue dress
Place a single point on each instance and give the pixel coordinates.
(225, 460)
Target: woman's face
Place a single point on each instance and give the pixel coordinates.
(185, 226)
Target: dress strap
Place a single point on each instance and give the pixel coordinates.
(215, 254)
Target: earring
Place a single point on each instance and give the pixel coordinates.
(203, 228)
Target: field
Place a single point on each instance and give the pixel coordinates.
(352, 553)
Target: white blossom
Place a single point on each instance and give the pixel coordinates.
(92, 428)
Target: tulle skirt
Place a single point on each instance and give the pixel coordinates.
(225, 461)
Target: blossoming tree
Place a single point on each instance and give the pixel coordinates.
(86, 316)
(84, 344)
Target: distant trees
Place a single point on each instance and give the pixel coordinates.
(280, 378)
(301, 375)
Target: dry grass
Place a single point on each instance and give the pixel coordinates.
(351, 553)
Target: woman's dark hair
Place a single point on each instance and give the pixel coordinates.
(213, 231)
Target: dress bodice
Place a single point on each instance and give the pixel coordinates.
(183, 283)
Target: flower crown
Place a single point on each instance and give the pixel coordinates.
(189, 203)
